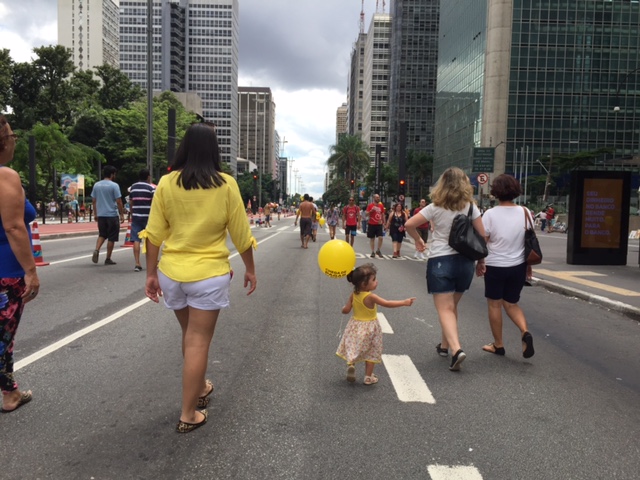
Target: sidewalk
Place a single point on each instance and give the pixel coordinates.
(612, 286)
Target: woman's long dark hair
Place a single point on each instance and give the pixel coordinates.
(198, 158)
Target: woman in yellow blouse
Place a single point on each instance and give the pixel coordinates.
(193, 209)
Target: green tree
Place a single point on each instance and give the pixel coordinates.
(25, 95)
(349, 159)
(54, 65)
(82, 90)
(6, 67)
(117, 90)
(337, 193)
(419, 172)
(388, 181)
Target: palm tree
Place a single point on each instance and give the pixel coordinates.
(349, 158)
(420, 168)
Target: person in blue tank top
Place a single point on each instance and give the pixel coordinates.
(19, 281)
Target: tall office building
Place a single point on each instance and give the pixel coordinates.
(375, 112)
(539, 76)
(256, 118)
(90, 29)
(355, 89)
(414, 70)
(195, 49)
(341, 121)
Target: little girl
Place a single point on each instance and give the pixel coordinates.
(362, 338)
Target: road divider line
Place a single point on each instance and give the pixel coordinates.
(74, 336)
(115, 250)
(446, 472)
(384, 324)
(85, 331)
(409, 385)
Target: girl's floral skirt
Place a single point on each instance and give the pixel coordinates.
(361, 342)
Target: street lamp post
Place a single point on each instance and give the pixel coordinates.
(548, 181)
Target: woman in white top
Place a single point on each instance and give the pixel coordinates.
(505, 269)
(449, 274)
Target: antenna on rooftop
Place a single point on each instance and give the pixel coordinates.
(362, 18)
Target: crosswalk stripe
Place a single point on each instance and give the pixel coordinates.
(384, 324)
(446, 472)
(409, 385)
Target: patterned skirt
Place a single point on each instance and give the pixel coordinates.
(361, 342)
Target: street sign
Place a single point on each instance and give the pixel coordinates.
(483, 159)
(483, 178)
(401, 198)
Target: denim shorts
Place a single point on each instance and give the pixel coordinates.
(449, 273)
(136, 228)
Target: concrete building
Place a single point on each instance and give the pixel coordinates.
(355, 90)
(195, 49)
(341, 121)
(375, 110)
(536, 76)
(256, 128)
(90, 29)
(414, 71)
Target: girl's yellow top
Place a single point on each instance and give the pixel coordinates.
(193, 225)
(360, 311)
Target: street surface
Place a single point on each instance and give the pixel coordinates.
(104, 365)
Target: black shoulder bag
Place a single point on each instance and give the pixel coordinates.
(464, 239)
(532, 251)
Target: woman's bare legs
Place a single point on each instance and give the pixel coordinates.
(495, 321)
(447, 306)
(197, 332)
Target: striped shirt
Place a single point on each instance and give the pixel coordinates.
(140, 197)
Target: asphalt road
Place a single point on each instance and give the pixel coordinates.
(106, 400)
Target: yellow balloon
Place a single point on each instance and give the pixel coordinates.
(322, 222)
(336, 258)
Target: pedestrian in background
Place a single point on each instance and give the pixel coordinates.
(332, 220)
(19, 283)
(305, 213)
(505, 269)
(107, 205)
(194, 272)
(375, 227)
(395, 227)
(140, 197)
(350, 220)
(449, 274)
(423, 231)
(362, 337)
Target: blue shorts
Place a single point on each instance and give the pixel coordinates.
(136, 228)
(505, 283)
(449, 273)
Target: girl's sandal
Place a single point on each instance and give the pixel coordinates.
(370, 380)
(204, 400)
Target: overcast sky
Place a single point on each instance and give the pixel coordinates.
(298, 48)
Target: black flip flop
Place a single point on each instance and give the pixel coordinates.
(496, 350)
(527, 339)
(25, 398)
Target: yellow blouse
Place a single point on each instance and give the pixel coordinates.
(193, 225)
(362, 312)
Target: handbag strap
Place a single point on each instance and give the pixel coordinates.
(527, 220)
(470, 209)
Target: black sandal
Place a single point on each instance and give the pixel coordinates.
(496, 350)
(527, 339)
(184, 427)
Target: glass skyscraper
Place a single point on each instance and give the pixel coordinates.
(546, 75)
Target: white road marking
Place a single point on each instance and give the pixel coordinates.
(284, 228)
(446, 472)
(74, 336)
(409, 385)
(81, 333)
(384, 324)
(115, 250)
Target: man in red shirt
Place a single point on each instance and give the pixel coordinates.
(375, 213)
(423, 230)
(350, 220)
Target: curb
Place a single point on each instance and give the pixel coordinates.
(54, 236)
(589, 297)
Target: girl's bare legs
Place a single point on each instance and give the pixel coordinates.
(197, 332)
(447, 306)
(368, 368)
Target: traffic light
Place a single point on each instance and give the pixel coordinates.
(353, 182)
(255, 178)
(402, 187)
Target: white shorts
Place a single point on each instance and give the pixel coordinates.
(208, 294)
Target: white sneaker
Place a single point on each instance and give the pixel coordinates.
(423, 256)
(416, 254)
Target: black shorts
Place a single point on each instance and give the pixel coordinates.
(424, 234)
(305, 227)
(109, 228)
(374, 231)
(505, 283)
(351, 230)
